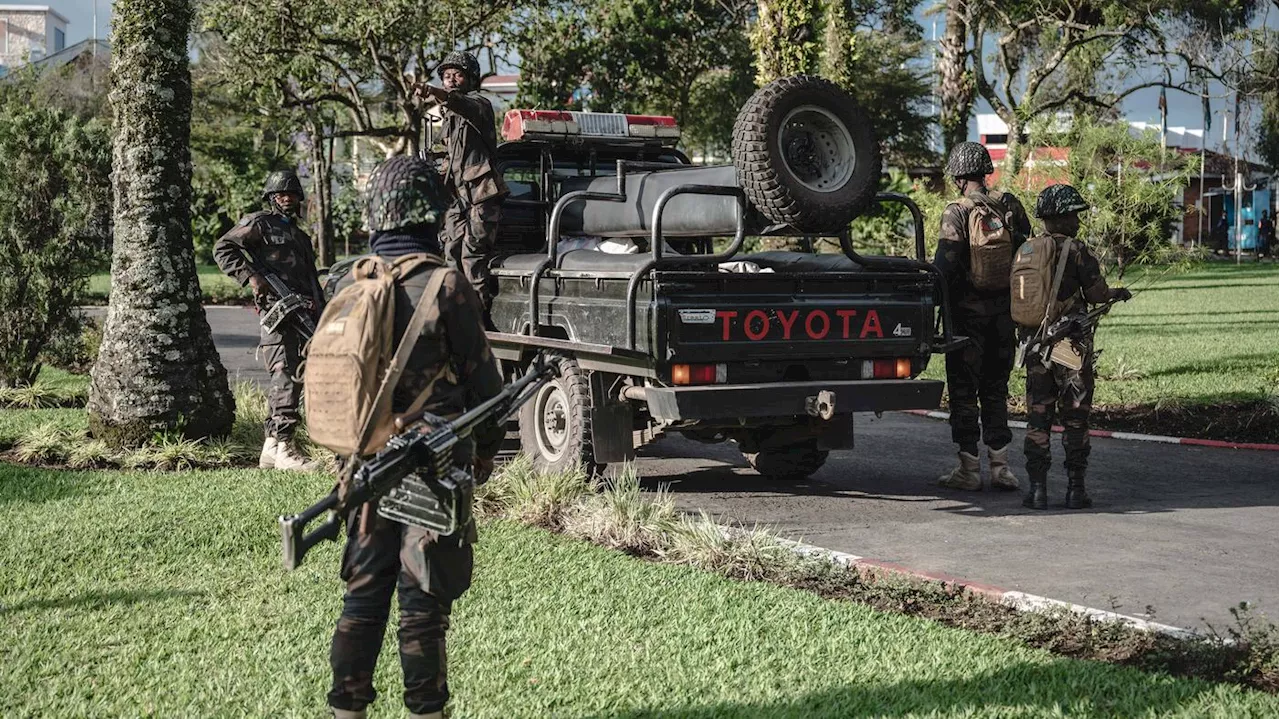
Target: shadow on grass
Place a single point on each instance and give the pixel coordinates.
(1221, 286)
(1060, 687)
(32, 485)
(96, 600)
(1250, 361)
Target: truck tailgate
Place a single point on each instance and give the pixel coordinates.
(733, 317)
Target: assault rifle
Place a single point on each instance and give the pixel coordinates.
(1044, 344)
(289, 305)
(413, 477)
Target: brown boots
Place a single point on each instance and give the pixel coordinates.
(968, 474)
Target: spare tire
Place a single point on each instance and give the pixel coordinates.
(806, 154)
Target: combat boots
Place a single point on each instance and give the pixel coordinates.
(288, 456)
(967, 476)
(1002, 477)
(267, 459)
(347, 713)
(432, 715)
(1037, 496)
(1077, 498)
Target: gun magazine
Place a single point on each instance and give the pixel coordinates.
(429, 505)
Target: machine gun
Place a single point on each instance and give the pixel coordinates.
(288, 305)
(413, 477)
(1046, 344)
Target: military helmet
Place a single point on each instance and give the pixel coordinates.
(464, 61)
(968, 159)
(282, 181)
(1057, 200)
(404, 191)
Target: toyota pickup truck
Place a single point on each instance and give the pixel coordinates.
(677, 329)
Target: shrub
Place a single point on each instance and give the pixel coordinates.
(55, 209)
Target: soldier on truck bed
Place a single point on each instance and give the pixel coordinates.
(276, 242)
(979, 234)
(477, 189)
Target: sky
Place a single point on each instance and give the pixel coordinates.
(1184, 110)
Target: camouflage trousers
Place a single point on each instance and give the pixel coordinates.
(469, 234)
(282, 355)
(1061, 394)
(427, 574)
(978, 380)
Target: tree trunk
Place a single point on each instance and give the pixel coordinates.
(1015, 152)
(956, 85)
(321, 194)
(157, 369)
(836, 32)
(785, 38)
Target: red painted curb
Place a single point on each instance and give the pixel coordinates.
(995, 593)
(1132, 436)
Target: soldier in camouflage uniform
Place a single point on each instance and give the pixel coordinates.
(274, 238)
(383, 557)
(470, 138)
(978, 374)
(1054, 389)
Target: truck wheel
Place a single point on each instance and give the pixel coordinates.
(555, 425)
(806, 154)
(796, 461)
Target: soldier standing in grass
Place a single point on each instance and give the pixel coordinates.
(274, 239)
(452, 368)
(1053, 388)
(471, 139)
(976, 242)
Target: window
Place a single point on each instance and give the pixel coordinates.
(59, 39)
(997, 139)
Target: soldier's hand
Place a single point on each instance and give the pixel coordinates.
(1121, 294)
(482, 469)
(425, 91)
(258, 284)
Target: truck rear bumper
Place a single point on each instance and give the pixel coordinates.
(782, 399)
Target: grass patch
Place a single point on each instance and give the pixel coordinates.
(126, 594)
(61, 438)
(52, 388)
(1191, 342)
(215, 287)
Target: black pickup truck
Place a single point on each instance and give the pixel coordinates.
(670, 338)
(774, 351)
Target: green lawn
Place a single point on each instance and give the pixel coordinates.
(161, 594)
(1204, 336)
(215, 286)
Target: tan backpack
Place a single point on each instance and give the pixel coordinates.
(1033, 282)
(990, 242)
(350, 372)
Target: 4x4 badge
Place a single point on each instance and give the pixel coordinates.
(901, 331)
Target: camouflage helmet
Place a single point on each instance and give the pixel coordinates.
(464, 61)
(969, 159)
(1056, 200)
(404, 191)
(282, 181)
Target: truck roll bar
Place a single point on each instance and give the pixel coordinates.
(655, 242)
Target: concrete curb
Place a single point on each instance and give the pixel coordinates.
(1132, 436)
(1018, 600)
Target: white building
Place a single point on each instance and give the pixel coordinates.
(29, 33)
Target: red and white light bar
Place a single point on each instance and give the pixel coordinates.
(558, 124)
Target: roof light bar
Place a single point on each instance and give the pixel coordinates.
(556, 124)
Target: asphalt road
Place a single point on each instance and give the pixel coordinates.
(1185, 532)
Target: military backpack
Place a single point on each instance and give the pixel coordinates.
(990, 242)
(1034, 283)
(350, 372)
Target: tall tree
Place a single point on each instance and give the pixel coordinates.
(157, 369)
(1052, 55)
(955, 81)
(786, 38)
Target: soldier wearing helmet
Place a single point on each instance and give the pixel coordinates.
(1054, 390)
(453, 364)
(470, 138)
(978, 374)
(275, 239)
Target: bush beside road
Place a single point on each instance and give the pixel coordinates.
(215, 288)
(181, 608)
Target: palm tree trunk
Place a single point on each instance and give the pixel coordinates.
(956, 85)
(157, 369)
